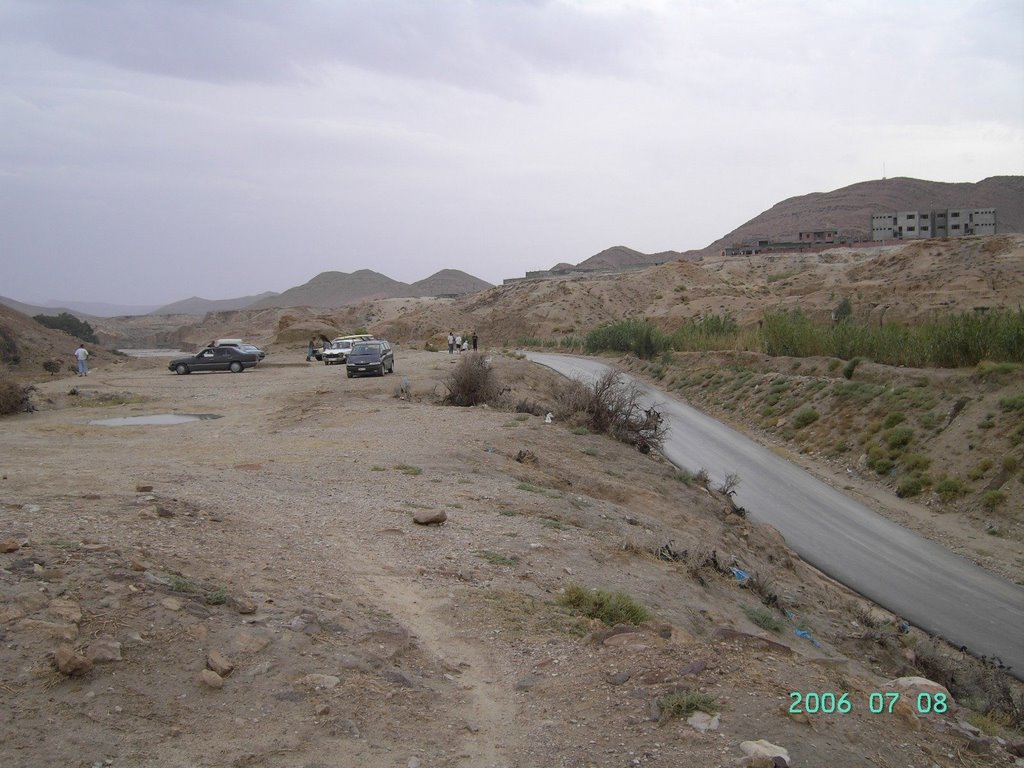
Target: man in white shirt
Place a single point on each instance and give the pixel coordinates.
(81, 354)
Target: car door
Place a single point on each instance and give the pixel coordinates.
(204, 361)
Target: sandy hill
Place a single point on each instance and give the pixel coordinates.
(25, 344)
(36, 309)
(849, 209)
(200, 306)
(449, 282)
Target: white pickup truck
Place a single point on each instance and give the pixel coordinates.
(339, 348)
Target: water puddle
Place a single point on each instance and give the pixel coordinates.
(158, 419)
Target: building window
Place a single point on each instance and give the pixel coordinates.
(955, 226)
(911, 215)
(955, 215)
(910, 229)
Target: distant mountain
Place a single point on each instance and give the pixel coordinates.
(98, 308)
(449, 282)
(849, 209)
(337, 289)
(200, 306)
(621, 257)
(32, 309)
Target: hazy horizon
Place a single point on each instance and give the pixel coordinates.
(153, 150)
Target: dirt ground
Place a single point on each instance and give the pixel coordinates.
(252, 590)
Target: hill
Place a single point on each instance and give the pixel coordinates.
(449, 282)
(336, 289)
(849, 209)
(25, 345)
(200, 306)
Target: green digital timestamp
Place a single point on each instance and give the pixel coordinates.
(879, 703)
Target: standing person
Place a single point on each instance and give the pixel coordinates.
(458, 342)
(465, 344)
(310, 348)
(81, 355)
(474, 341)
(451, 343)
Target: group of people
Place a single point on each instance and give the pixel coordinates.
(458, 343)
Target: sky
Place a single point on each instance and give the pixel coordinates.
(152, 150)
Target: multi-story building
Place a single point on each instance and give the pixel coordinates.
(913, 225)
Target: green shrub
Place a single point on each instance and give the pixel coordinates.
(609, 607)
(893, 419)
(992, 499)
(805, 418)
(909, 486)
(950, 488)
(850, 367)
(980, 469)
(472, 382)
(764, 618)
(684, 703)
(915, 462)
(637, 336)
(14, 397)
(898, 437)
(1012, 403)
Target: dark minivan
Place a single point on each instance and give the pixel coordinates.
(370, 357)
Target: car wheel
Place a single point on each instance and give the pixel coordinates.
(236, 367)
(349, 374)
(181, 369)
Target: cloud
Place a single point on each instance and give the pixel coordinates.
(487, 45)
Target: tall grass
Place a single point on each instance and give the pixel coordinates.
(953, 341)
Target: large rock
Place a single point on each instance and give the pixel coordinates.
(216, 661)
(56, 631)
(762, 749)
(70, 662)
(430, 516)
(65, 609)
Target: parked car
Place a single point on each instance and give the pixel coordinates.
(370, 357)
(252, 349)
(214, 359)
(340, 347)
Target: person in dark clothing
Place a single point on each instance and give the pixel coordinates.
(474, 341)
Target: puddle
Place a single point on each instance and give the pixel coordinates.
(159, 419)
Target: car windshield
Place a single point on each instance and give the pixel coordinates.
(366, 349)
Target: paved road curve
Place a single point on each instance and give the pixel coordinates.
(921, 581)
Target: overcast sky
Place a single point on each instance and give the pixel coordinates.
(152, 150)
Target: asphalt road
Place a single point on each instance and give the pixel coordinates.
(924, 583)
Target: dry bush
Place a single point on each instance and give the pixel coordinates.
(612, 407)
(472, 382)
(14, 397)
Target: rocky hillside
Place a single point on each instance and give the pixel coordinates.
(849, 209)
(449, 282)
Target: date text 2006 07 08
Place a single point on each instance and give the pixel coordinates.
(878, 703)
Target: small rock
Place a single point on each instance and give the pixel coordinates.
(65, 609)
(703, 722)
(324, 682)
(163, 511)
(249, 642)
(171, 603)
(693, 668)
(139, 565)
(322, 710)
(430, 517)
(414, 762)
(31, 508)
(242, 604)
(398, 678)
(71, 663)
(762, 748)
(211, 679)
(103, 650)
(143, 488)
(527, 683)
(617, 678)
(10, 545)
(216, 661)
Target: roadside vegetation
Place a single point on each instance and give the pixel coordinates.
(952, 341)
(14, 396)
(70, 324)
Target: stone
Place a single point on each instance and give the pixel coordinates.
(70, 662)
(162, 511)
(398, 678)
(250, 642)
(703, 722)
(904, 710)
(32, 600)
(242, 604)
(617, 678)
(31, 508)
(139, 565)
(430, 516)
(323, 682)
(762, 748)
(65, 609)
(10, 613)
(526, 683)
(143, 488)
(211, 679)
(216, 661)
(693, 668)
(66, 632)
(171, 603)
(10, 545)
(103, 650)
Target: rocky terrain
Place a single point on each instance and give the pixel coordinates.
(254, 590)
